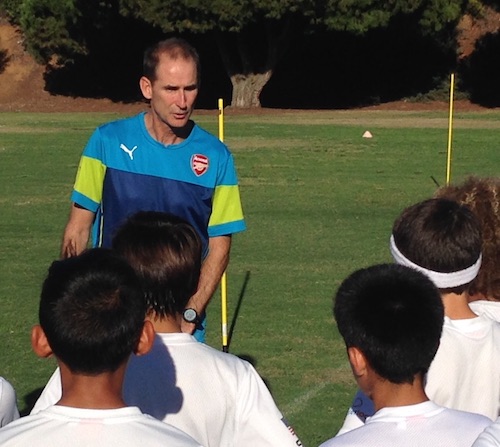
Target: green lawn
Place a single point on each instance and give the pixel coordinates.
(319, 202)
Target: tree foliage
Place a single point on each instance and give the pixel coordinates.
(52, 28)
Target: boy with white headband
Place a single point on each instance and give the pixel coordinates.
(442, 239)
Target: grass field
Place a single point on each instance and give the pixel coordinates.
(319, 202)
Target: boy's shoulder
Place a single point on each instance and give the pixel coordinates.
(394, 426)
(490, 437)
(472, 328)
(127, 426)
(490, 309)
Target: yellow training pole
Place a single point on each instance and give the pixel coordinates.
(223, 281)
(450, 127)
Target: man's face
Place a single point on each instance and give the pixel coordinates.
(173, 93)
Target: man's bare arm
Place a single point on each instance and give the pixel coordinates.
(212, 269)
(77, 231)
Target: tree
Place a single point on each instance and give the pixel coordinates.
(252, 35)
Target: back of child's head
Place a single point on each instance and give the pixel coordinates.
(165, 252)
(91, 311)
(394, 315)
(441, 238)
(482, 196)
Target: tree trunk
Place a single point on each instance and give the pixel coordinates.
(247, 89)
(250, 57)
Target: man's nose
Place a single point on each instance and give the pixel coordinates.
(181, 98)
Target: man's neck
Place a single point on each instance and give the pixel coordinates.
(164, 133)
(101, 391)
(456, 306)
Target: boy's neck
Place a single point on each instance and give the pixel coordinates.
(456, 306)
(166, 325)
(99, 392)
(388, 394)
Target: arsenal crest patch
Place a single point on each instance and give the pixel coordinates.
(199, 164)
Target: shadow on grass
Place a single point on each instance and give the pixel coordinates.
(237, 309)
(250, 359)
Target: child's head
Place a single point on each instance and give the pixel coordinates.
(482, 196)
(165, 252)
(440, 238)
(393, 315)
(91, 311)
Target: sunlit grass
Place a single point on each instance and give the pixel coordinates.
(319, 202)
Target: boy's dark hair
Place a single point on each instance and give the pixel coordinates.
(175, 48)
(439, 235)
(165, 252)
(394, 315)
(91, 311)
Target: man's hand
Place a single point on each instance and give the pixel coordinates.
(77, 231)
(212, 269)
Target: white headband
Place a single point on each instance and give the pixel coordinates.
(440, 279)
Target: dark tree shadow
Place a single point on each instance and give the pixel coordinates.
(4, 60)
(321, 70)
(113, 66)
(480, 71)
(341, 70)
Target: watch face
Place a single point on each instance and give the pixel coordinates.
(190, 315)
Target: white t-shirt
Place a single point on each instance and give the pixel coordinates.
(425, 424)
(489, 308)
(8, 403)
(490, 437)
(465, 374)
(217, 398)
(77, 427)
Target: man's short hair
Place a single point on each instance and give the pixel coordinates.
(439, 235)
(91, 311)
(394, 315)
(175, 48)
(165, 251)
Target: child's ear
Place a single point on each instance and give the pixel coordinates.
(39, 342)
(358, 361)
(146, 340)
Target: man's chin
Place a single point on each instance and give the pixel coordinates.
(181, 128)
(179, 123)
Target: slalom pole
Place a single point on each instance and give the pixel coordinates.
(450, 127)
(223, 280)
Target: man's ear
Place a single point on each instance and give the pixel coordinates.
(358, 361)
(146, 340)
(146, 87)
(39, 342)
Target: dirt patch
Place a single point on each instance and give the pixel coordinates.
(22, 89)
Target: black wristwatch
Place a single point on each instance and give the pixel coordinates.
(190, 315)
